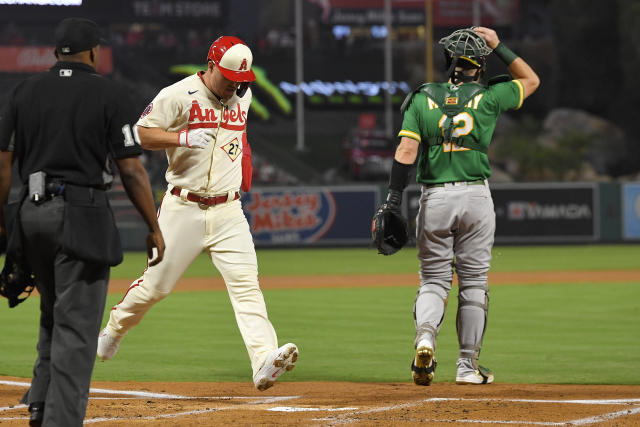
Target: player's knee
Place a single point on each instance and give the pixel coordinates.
(435, 286)
(157, 295)
(436, 274)
(242, 282)
(472, 274)
(473, 294)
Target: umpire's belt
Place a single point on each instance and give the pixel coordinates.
(442, 184)
(204, 201)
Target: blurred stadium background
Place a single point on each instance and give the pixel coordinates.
(566, 166)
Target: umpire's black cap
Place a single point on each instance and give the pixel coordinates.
(74, 35)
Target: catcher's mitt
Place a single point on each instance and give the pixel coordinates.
(16, 280)
(389, 230)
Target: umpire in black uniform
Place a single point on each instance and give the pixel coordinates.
(62, 126)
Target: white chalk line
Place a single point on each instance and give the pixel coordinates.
(145, 394)
(155, 417)
(578, 422)
(8, 408)
(189, 413)
(307, 409)
(249, 400)
(576, 401)
(347, 418)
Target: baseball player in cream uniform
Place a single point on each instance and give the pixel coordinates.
(200, 121)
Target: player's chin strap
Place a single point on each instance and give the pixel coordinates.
(242, 89)
(458, 77)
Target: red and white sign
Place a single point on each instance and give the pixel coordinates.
(33, 59)
(446, 13)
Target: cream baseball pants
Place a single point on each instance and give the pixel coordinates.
(221, 230)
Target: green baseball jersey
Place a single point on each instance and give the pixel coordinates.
(463, 157)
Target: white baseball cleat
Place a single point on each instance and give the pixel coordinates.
(468, 374)
(278, 362)
(107, 345)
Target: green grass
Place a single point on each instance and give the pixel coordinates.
(572, 333)
(298, 261)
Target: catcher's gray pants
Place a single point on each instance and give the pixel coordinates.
(455, 229)
(72, 302)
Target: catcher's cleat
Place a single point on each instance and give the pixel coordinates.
(423, 366)
(278, 362)
(468, 374)
(107, 345)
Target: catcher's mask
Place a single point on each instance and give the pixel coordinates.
(16, 280)
(389, 232)
(233, 58)
(465, 49)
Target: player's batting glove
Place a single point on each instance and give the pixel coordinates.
(195, 138)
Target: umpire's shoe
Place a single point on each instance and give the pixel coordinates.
(278, 362)
(467, 373)
(423, 365)
(107, 345)
(36, 414)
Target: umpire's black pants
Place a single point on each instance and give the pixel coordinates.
(72, 301)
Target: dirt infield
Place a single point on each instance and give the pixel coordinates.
(377, 280)
(340, 403)
(321, 403)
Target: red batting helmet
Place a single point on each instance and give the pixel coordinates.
(233, 57)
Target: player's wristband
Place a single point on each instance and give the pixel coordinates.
(394, 199)
(399, 176)
(504, 53)
(183, 139)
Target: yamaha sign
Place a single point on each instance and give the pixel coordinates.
(545, 212)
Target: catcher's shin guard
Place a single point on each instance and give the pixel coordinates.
(471, 321)
(428, 311)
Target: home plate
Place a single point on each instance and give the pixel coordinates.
(292, 409)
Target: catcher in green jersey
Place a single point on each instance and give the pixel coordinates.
(453, 124)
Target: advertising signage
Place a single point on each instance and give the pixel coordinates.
(348, 94)
(311, 215)
(33, 59)
(535, 212)
(631, 210)
(531, 213)
(446, 13)
(210, 12)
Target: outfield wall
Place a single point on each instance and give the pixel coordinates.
(527, 213)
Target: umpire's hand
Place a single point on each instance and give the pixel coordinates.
(155, 241)
(136, 183)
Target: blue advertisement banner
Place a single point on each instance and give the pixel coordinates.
(310, 215)
(631, 210)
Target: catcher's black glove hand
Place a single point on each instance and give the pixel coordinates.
(3, 243)
(16, 280)
(389, 229)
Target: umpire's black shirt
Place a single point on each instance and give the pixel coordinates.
(65, 122)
